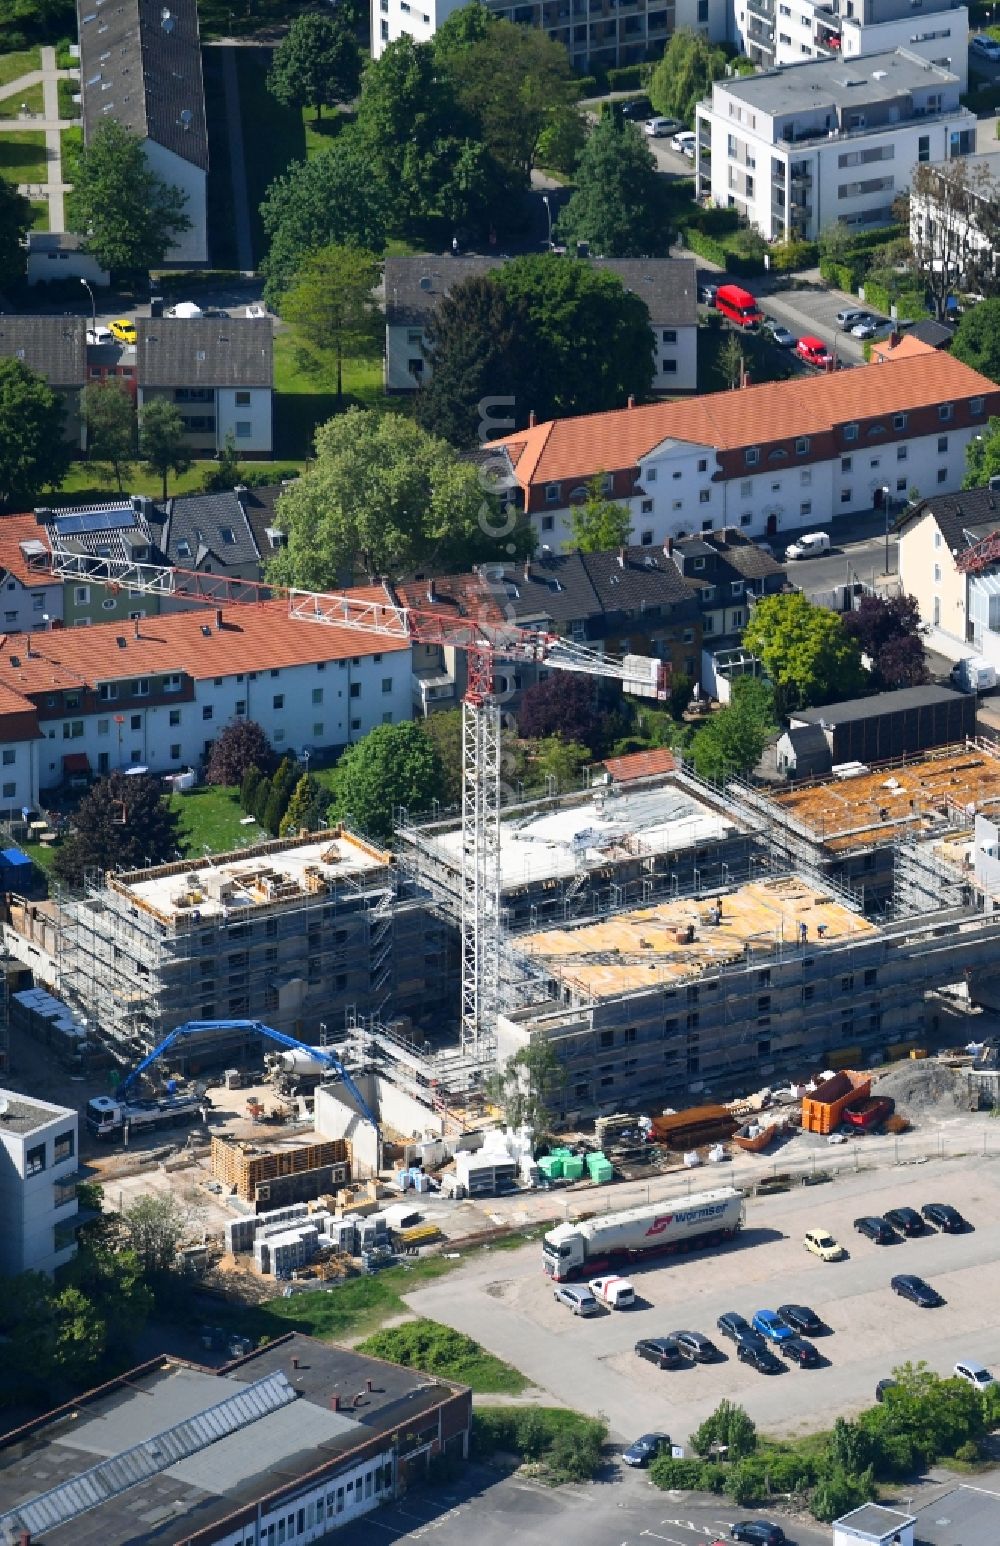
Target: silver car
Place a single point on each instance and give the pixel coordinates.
(580, 1300)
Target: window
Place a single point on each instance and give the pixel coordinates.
(317, 695)
(944, 412)
(243, 399)
(975, 406)
(899, 421)
(552, 493)
(703, 465)
(937, 539)
(175, 716)
(669, 335)
(81, 595)
(103, 727)
(942, 444)
(937, 574)
(387, 684)
(355, 689)
(845, 496)
(63, 1148)
(752, 456)
(72, 729)
(850, 432)
(278, 701)
(805, 508)
(548, 522)
(34, 1160)
(737, 587)
(649, 476)
(704, 495)
(9, 756)
(845, 464)
(135, 722)
(737, 619)
(244, 429)
(175, 751)
(140, 687)
(207, 711)
(9, 791)
(646, 508)
(902, 453)
(746, 488)
(900, 485)
(802, 445)
(942, 474)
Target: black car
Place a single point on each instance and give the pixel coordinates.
(694, 1346)
(737, 1328)
(798, 1350)
(663, 1351)
(646, 1449)
(760, 1532)
(876, 1229)
(883, 1386)
(947, 1219)
(638, 110)
(915, 1289)
(906, 1220)
(801, 1318)
(759, 1356)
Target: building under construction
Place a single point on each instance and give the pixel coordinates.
(301, 935)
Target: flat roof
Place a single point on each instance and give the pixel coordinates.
(842, 83)
(268, 875)
(901, 700)
(598, 828)
(646, 947)
(291, 1431)
(869, 809)
(21, 1115)
(874, 1521)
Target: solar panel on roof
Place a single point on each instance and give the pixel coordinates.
(94, 520)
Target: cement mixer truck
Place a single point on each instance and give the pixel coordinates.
(637, 1234)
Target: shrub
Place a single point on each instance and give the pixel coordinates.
(786, 256)
(567, 1444)
(683, 1475)
(969, 1451)
(747, 1481)
(706, 246)
(840, 275)
(837, 1493)
(627, 78)
(587, 85)
(730, 1425)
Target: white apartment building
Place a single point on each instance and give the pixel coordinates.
(38, 1174)
(960, 229)
(764, 460)
(593, 32)
(799, 149)
(779, 32)
(156, 692)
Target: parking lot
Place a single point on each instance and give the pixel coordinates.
(506, 1303)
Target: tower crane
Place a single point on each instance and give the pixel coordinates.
(486, 642)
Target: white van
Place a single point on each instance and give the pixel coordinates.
(811, 545)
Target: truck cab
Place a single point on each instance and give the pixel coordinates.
(563, 1252)
(104, 1116)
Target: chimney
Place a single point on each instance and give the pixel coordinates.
(335, 1402)
(631, 401)
(668, 548)
(621, 557)
(745, 379)
(295, 1363)
(369, 1386)
(24, 1538)
(532, 421)
(431, 590)
(218, 617)
(527, 568)
(135, 628)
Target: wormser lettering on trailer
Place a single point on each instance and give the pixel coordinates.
(692, 1216)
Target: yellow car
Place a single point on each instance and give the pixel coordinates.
(823, 1245)
(123, 330)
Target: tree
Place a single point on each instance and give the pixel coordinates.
(110, 1274)
(384, 494)
(617, 205)
(154, 1226)
(525, 1085)
(333, 308)
(685, 74)
(392, 766)
(732, 740)
(444, 731)
(317, 63)
(731, 360)
(248, 789)
(337, 198)
(33, 451)
(129, 216)
(977, 337)
(982, 456)
(955, 208)
(227, 471)
(562, 761)
(729, 1425)
(422, 145)
(109, 414)
(564, 705)
(239, 746)
(16, 220)
(306, 810)
(805, 651)
(123, 821)
(161, 439)
(478, 347)
(599, 524)
(887, 630)
(591, 339)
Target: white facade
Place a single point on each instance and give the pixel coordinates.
(18, 776)
(795, 153)
(780, 32)
(680, 492)
(27, 607)
(246, 414)
(192, 245)
(59, 255)
(322, 705)
(326, 1505)
(38, 1166)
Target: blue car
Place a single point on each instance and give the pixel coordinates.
(771, 1326)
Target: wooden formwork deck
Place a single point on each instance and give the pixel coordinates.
(246, 1165)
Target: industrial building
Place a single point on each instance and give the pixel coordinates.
(38, 1176)
(286, 1444)
(301, 935)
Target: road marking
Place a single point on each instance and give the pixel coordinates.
(670, 1539)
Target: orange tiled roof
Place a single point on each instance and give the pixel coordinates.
(15, 529)
(640, 764)
(252, 638)
(567, 448)
(907, 348)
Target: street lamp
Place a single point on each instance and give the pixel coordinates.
(93, 310)
(548, 211)
(885, 502)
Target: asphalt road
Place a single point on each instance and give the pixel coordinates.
(844, 564)
(507, 1305)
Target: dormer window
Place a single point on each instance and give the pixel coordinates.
(802, 446)
(850, 432)
(553, 491)
(752, 456)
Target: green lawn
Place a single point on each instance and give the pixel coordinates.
(79, 484)
(304, 398)
(764, 361)
(39, 214)
(22, 156)
(67, 107)
(12, 66)
(31, 98)
(437, 1349)
(210, 818)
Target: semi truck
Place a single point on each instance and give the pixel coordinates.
(108, 1117)
(636, 1234)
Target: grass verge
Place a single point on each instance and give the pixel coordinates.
(13, 66)
(22, 156)
(31, 99)
(437, 1349)
(79, 484)
(67, 90)
(39, 214)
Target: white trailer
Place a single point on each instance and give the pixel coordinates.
(655, 1228)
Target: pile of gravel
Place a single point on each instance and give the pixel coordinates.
(923, 1087)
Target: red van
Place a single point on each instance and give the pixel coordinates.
(738, 305)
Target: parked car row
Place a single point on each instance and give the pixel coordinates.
(906, 1223)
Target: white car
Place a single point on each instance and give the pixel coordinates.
(659, 128)
(811, 545)
(982, 44)
(974, 1374)
(684, 142)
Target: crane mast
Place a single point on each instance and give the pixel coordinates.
(485, 642)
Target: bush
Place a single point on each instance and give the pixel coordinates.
(714, 221)
(968, 1452)
(687, 1475)
(840, 275)
(730, 1425)
(628, 78)
(568, 1444)
(837, 1493)
(786, 256)
(587, 85)
(705, 246)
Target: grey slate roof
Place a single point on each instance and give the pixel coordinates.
(937, 334)
(55, 347)
(140, 63)
(669, 286)
(555, 586)
(200, 528)
(637, 578)
(259, 507)
(809, 745)
(903, 699)
(962, 518)
(204, 351)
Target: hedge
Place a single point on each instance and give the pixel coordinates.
(587, 85)
(837, 274)
(706, 246)
(789, 255)
(627, 78)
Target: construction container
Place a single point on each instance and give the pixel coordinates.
(551, 1166)
(599, 1169)
(573, 1167)
(696, 1125)
(822, 1112)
